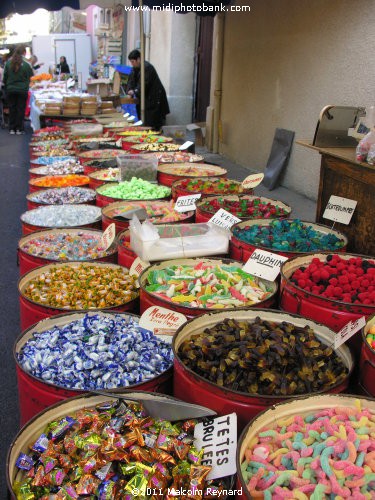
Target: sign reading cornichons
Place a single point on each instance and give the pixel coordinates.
(339, 209)
(217, 437)
(161, 321)
(348, 331)
(264, 264)
(224, 219)
(108, 236)
(186, 203)
(252, 181)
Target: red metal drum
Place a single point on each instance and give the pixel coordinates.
(32, 197)
(170, 172)
(299, 406)
(98, 177)
(28, 261)
(203, 214)
(149, 299)
(35, 394)
(110, 212)
(197, 389)
(216, 188)
(129, 142)
(241, 250)
(102, 200)
(335, 314)
(31, 312)
(367, 361)
(126, 256)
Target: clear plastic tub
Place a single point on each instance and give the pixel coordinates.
(141, 166)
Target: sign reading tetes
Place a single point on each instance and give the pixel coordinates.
(224, 219)
(161, 321)
(218, 438)
(186, 203)
(339, 209)
(264, 264)
(185, 145)
(348, 331)
(108, 236)
(252, 181)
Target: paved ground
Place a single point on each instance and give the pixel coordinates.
(14, 164)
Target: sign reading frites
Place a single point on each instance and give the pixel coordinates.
(252, 181)
(161, 321)
(185, 145)
(348, 331)
(224, 219)
(217, 437)
(264, 264)
(186, 203)
(339, 209)
(108, 236)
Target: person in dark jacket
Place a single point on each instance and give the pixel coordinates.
(63, 67)
(17, 74)
(156, 102)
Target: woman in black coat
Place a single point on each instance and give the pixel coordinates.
(156, 102)
(63, 67)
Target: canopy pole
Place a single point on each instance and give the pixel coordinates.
(142, 37)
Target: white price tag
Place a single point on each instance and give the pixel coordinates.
(186, 203)
(139, 122)
(252, 181)
(138, 266)
(108, 236)
(348, 331)
(161, 321)
(339, 209)
(119, 143)
(218, 438)
(264, 264)
(185, 145)
(224, 219)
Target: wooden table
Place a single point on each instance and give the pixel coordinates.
(342, 175)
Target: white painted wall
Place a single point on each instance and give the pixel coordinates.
(283, 62)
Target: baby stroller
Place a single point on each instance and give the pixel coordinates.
(4, 109)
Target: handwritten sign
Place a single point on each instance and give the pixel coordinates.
(185, 145)
(218, 438)
(348, 331)
(264, 264)
(161, 321)
(339, 209)
(224, 219)
(252, 181)
(186, 203)
(108, 236)
(138, 266)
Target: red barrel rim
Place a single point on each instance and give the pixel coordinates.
(168, 304)
(112, 248)
(256, 395)
(324, 254)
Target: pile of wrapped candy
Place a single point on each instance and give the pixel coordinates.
(326, 454)
(63, 196)
(62, 216)
(82, 287)
(289, 236)
(251, 356)
(48, 160)
(207, 285)
(59, 168)
(114, 451)
(96, 352)
(55, 181)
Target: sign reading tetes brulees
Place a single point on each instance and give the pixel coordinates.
(161, 321)
(224, 219)
(252, 181)
(108, 236)
(348, 331)
(218, 438)
(186, 203)
(339, 209)
(264, 264)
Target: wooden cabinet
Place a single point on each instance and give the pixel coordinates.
(342, 175)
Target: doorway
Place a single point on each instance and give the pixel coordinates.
(203, 65)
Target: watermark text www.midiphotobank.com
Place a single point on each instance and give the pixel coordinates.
(182, 8)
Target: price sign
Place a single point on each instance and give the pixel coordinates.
(161, 321)
(339, 209)
(108, 236)
(186, 203)
(348, 331)
(264, 264)
(218, 438)
(252, 181)
(185, 145)
(224, 219)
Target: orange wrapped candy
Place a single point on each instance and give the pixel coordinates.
(56, 181)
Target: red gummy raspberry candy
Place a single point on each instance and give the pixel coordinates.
(324, 274)
(337, 291)
(343, 280)
(301, 283)
(333, 281)
(355, 284)
(316, 275)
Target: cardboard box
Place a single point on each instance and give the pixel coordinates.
(199, 130)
